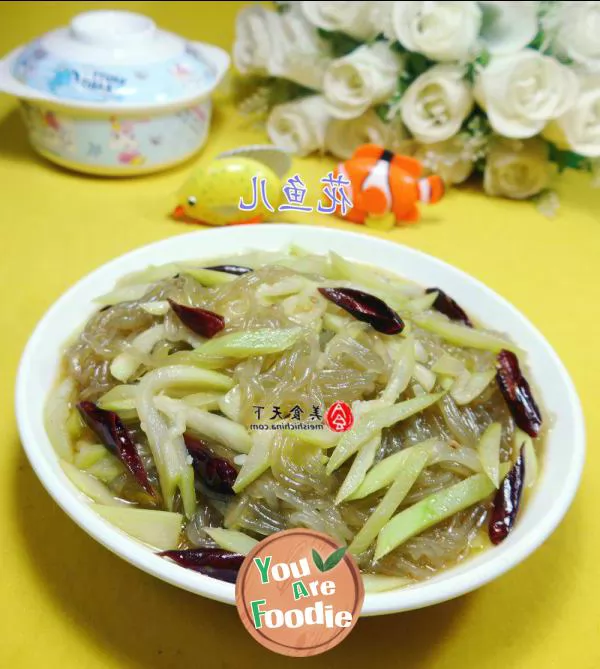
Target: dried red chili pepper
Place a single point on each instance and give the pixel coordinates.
(507, 501)
(517, 393)
(365, 307)
(449, 307)
(217, 473)
(111, 431)
(201, 321)
(231, 269)
(214, 562)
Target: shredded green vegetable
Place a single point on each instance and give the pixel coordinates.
(120, 399)
(394, 287)
(489, 452)
(469, 386)
(210, 277)
(166, 443)
(385, 471)
(412, 467)
(461, 335)
(422, 303)
(56, 417)
(211, 425)
(400, 375)
(206, 401)
(107, 469)
(123, 294)
(158, 529)
(375, 421)
(249, 343)
(359, 274)
(363, 460)
(89, 485)
(158, 308)
(88, 454)
(257, 461)
(448, 365)
(231, 540)
(432, 510)
(424, 377)
(125, 365)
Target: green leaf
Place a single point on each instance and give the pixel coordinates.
(382, 111)
(538, 41)
(566, 159)
(477, 123)
(335, 558)
(318, 560)
(470, 72)
(396, 47)
(340, 44)
(474, 66)
(416, 64)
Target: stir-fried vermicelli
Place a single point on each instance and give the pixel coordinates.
(202, 389)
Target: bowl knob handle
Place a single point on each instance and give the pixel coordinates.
(110, 28)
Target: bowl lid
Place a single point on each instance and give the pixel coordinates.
(115, 57)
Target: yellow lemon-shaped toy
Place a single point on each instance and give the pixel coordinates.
(230, 190)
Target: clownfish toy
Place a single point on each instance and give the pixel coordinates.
(385, 188)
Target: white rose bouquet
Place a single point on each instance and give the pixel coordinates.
(509, 91)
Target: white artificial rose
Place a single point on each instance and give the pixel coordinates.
(443, 31)
(517, 169)
(306, 57)
(254, 46)
(366, 76)
(577, 33)
(452, 160)
(522, 92)
(508, 26)
(343, 137)
(434, 106)
(353, 18)
(280, 45)
(581, 124)
(299, 126)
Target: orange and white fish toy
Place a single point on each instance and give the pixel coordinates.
(385, 187)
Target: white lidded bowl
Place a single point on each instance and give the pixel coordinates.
(564, 447)
(112, 94)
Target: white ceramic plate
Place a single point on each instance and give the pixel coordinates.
(564, 449)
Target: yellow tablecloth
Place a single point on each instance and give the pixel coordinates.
(67, 602)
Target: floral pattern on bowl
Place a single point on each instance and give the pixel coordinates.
(124, 143)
